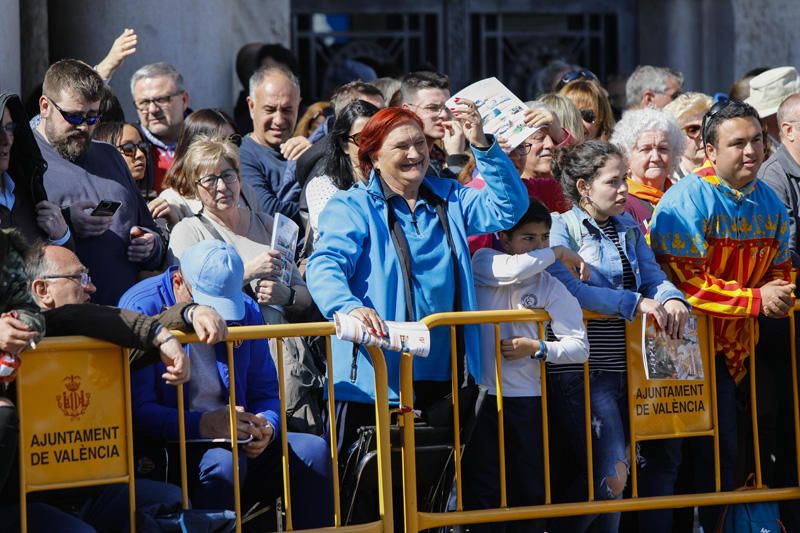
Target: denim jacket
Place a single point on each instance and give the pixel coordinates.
(604, 292)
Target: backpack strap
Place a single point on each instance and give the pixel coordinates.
(573, 229)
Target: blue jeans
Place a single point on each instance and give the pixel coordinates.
(211, 478)
(609, 411)
(524, 461)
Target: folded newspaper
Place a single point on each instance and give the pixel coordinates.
(407, 337)
(502, 113)
(284, 239)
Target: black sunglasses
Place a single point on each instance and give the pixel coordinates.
(721, 104)
(575, 75)
(76, 119)
(235, 138)
(353, 138)
(129, 148)
(588, 116)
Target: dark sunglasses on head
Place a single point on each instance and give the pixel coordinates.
(588, 116)
(76, 119)
(129, 148)
(720, 104)
(575, 75)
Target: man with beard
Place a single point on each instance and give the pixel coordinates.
(161, 103)
(425, 93)
(81, 173)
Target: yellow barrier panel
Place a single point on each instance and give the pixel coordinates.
(326, 329)
(73, 399)
(702, 423)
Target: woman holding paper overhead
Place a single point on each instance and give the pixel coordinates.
(395, 248)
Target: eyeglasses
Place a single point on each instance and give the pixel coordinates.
(10, 128)
(588, 116)
(575, 75)
(433, 109)
(353, 138)
(76, 119)
(523, 149)
(211, 181)
(235, 138)
(159, 101)
(721, 104)
(129, 149)
(692, 131)
(672, 96)
(83, 279)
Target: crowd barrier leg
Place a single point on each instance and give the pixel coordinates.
(501, 427)
(237, 496)
(545, 424)
(409, 445)
(754, 402)
(454, 389)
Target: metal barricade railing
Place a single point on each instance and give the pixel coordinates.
(74, 406)
(415, 520)
(280, 331)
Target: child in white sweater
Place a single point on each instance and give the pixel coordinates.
(516, 280)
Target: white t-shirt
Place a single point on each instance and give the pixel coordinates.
(505, 281)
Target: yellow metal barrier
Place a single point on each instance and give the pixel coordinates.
(418, 521)
(74, 405)
(279, 331)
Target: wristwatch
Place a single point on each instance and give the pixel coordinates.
(541, 353)
(292, 294)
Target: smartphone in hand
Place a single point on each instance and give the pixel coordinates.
(106, 208)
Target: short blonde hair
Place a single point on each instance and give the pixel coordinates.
(205, 154)
(688, 104)
(567, 113)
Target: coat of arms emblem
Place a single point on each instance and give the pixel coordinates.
(73, 402)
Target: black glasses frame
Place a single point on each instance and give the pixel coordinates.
(76, 119)
(228, 177)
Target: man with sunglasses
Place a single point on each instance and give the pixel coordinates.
(723, 238)
(81, 173)
(162, 104)
(651, 86)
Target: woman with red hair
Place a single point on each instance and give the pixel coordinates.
(395, 248)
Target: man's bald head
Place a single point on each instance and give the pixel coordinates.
(58, 277)
(789, 110)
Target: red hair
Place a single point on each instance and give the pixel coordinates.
(371, 138)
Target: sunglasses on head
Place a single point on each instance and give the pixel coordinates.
(129, 148)
(575, 75)
(718, 106)
(76, 119)
(588, 116)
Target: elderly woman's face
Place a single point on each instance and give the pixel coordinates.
(403, 156)
(218, 189)
(651, 159)
(693, 154)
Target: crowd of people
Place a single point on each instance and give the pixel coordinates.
(406, 206)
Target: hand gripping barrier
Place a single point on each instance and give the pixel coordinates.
(418, 521)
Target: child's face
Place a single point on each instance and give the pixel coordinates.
(526, 238)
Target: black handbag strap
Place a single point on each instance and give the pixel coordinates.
(403, 252)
